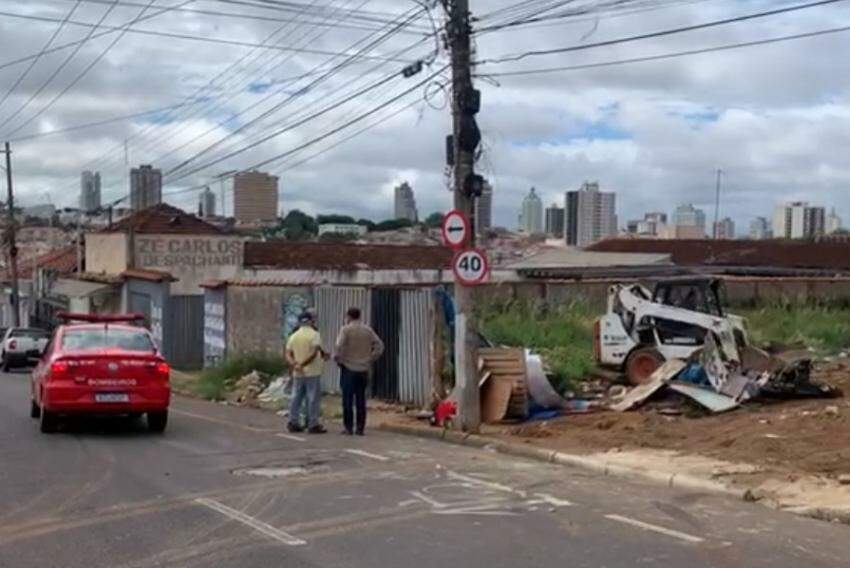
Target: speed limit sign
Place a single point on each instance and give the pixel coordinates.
(471, 267)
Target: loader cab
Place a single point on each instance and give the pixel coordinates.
(704, 295)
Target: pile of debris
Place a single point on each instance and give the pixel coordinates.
(257, 388)
(719, 383)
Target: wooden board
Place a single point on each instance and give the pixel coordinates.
(495, 396)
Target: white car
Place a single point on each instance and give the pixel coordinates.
(22, 346)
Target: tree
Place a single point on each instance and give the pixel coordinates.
(434, 220)
(393, 225)
(298, 226)
(370, 225)
(334, 218)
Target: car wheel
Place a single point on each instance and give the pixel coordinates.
(49, 422)
(641, 364)
(157, 421)
(35, 410)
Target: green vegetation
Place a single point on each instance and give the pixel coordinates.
(214, 383)
(822, 328)
(563, 335)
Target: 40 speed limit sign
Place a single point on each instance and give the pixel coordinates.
(471, 267)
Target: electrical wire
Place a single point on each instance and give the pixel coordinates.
(58, 70)
(661, 33)
(189, 37)
(35, 60)
(672, 55)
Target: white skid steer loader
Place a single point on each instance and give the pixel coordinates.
(642, 329)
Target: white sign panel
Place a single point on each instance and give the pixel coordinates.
(471, 267)
(456, 229)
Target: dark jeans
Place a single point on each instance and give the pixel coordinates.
(353, 385)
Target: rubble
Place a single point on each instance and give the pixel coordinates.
(247, 389)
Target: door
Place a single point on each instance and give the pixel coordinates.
(184, 332)
(386, 315)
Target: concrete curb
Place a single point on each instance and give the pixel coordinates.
(596, 465)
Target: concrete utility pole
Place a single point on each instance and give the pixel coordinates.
(13, 248)
(716, 231)
(465, 138)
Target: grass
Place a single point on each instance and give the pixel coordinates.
(563, 336)
(214, 383)
(824, 329)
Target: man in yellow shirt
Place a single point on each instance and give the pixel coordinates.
(306, 359)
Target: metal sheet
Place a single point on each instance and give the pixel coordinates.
(386, 318)
(185, 331)
(659, 378)
(713, 401)
(415, 361)
(331, 304)
(539, 387)
(215, 327)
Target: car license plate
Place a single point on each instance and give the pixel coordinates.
(111, 397)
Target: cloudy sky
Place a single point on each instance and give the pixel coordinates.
(775, 118)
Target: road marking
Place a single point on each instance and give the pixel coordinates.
(291, 437)
(545, 498)
(486, 484)
(219, 421)
(655, 528)
(259, 526)
(361, 453)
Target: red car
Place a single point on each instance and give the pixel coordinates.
(104, 366)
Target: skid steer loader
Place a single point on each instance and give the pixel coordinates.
(643, 328)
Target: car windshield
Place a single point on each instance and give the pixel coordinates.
(106, 338)
(30, 333)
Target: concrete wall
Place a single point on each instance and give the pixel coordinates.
(740, 291)
(106, 253)
(358, 278)
(255, 318)
(192, 259)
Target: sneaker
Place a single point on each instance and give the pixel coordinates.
(294, 428)
(361, 433)
(317, 430)
(347, 433)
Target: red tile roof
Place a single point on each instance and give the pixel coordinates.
(344, 257)
(63, 261)
(767, 253)
(148, 275)
(164, 219)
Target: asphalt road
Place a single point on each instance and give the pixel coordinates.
(224, 487)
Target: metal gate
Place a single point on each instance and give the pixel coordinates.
(184, 332)
(331, 305)
(386, 315)
(141, 304)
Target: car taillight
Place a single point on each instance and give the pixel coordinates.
(60, 370)
(163, 371)
(13, 345)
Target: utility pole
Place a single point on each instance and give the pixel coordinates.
(13, 248)
(716, 231)
(466, 136)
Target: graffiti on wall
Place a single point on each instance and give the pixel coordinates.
(215, 338)
(294, 304)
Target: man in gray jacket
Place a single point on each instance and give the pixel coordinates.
(357, 348)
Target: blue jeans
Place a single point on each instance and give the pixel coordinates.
(306, 390)
(353, 385)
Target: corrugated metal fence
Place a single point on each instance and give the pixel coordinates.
(415, 358)
(184, 338)
(331, 305)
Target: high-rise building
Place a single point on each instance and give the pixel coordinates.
(724, 229)
(206, 203)
(531, 214)
(760, 229)
(554, 225)
(590, 215)
(652, 225)
(797, 220)
(145, 187)
(405, 203)
(833, 222)
(688, 223)
(484, 209)
(255, 197)
(90, 191)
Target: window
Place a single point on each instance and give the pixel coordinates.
(30, 333)
(106, 338)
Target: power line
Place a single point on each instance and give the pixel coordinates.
(280, 105)
(244, 16)
(35, 60)
(660, 33)
(59, 69)
(667, 55)
(190, 37)
(326, 135)
(106, 121)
